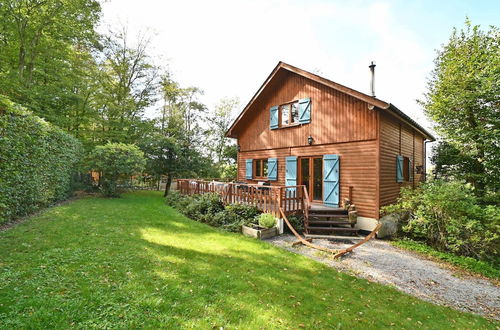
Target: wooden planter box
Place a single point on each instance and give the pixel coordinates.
(260, 233)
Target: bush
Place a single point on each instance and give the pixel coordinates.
(173, 198)
(116, 161)
(208, 208)
(297, 223)
(204, 207)
(447, 216)
(267, 220)
(37, 162)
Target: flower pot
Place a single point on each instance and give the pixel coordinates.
(259, 232)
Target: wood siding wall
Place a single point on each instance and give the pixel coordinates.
(335, 116)
(397, 138)
(358, 168)
(367, 141)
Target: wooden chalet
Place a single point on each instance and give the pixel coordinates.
(303, 131)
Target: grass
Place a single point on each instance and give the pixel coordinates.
(466, 263)
(133, 262)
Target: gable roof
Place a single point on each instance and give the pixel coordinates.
(388, 107)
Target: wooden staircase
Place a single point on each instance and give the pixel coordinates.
(328, 222)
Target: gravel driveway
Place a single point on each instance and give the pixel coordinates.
(381, 262)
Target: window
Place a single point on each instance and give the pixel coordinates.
(407, 169)
(260, 168)
(289, 113)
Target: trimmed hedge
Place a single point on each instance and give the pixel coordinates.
(37, 162)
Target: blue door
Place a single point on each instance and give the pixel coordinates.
(331, 176)
(291, 172)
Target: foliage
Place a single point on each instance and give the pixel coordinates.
(37, 162)
(228, 171)
(297, 223)
(45, 55)
(116, 161)
(132, 262)
(221, 147)
(463, 98)
(446, 215)
(267, 220)
(208, 208)
(129, 82)
(470, 264)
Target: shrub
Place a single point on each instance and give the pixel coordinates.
(447, 216)
(173, 198)
(37, 162)
(116, 161)
(203, 207)
(267, 220)
(297, 223)
(208, 208)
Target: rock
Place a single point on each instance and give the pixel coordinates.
(389, 226)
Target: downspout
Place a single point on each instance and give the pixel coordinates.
(425, 159)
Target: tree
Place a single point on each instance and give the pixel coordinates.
(451, 163)
(116, 161)
(220, 146)
(128, 86)
(463, 98)
(164, 158)
(39, 47)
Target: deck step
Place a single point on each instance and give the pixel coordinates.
(328, 222)
(333, 229)
(328, 216)
(332, 211)
(333, 237)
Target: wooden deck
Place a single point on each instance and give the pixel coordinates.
(292, 199)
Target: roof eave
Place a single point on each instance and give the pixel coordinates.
(411, 122)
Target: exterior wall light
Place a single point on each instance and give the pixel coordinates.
(310, 140)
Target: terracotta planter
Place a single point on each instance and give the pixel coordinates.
(260, 233)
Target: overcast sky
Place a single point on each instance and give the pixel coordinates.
(228, 48)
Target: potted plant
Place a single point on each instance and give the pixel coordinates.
(265, 227)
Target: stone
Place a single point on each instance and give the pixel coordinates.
(389, 226)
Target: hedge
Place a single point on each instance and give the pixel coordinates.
(37, 162)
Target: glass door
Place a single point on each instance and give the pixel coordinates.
(311, 176)
(317, 179)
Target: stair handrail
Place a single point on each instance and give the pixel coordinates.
(303, 241)
(337, 253)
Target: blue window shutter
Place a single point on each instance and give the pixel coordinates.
(291, 172)
(305, 111)
(249, 166)
(399, 168)
(272, 169)
(331, 176)
(274, 117)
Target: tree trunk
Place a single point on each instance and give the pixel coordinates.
(167, 186)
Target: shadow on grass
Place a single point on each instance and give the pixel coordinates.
(134, 262)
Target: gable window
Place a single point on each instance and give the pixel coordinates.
(289, 113)
(260, 168)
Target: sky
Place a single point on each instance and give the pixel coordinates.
(228, 48)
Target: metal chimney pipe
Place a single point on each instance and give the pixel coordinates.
(372, 81)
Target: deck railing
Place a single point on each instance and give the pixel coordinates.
(292, 199)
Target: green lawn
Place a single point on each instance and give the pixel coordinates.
(134, 262)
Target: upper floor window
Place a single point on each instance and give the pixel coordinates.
(289, 113)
